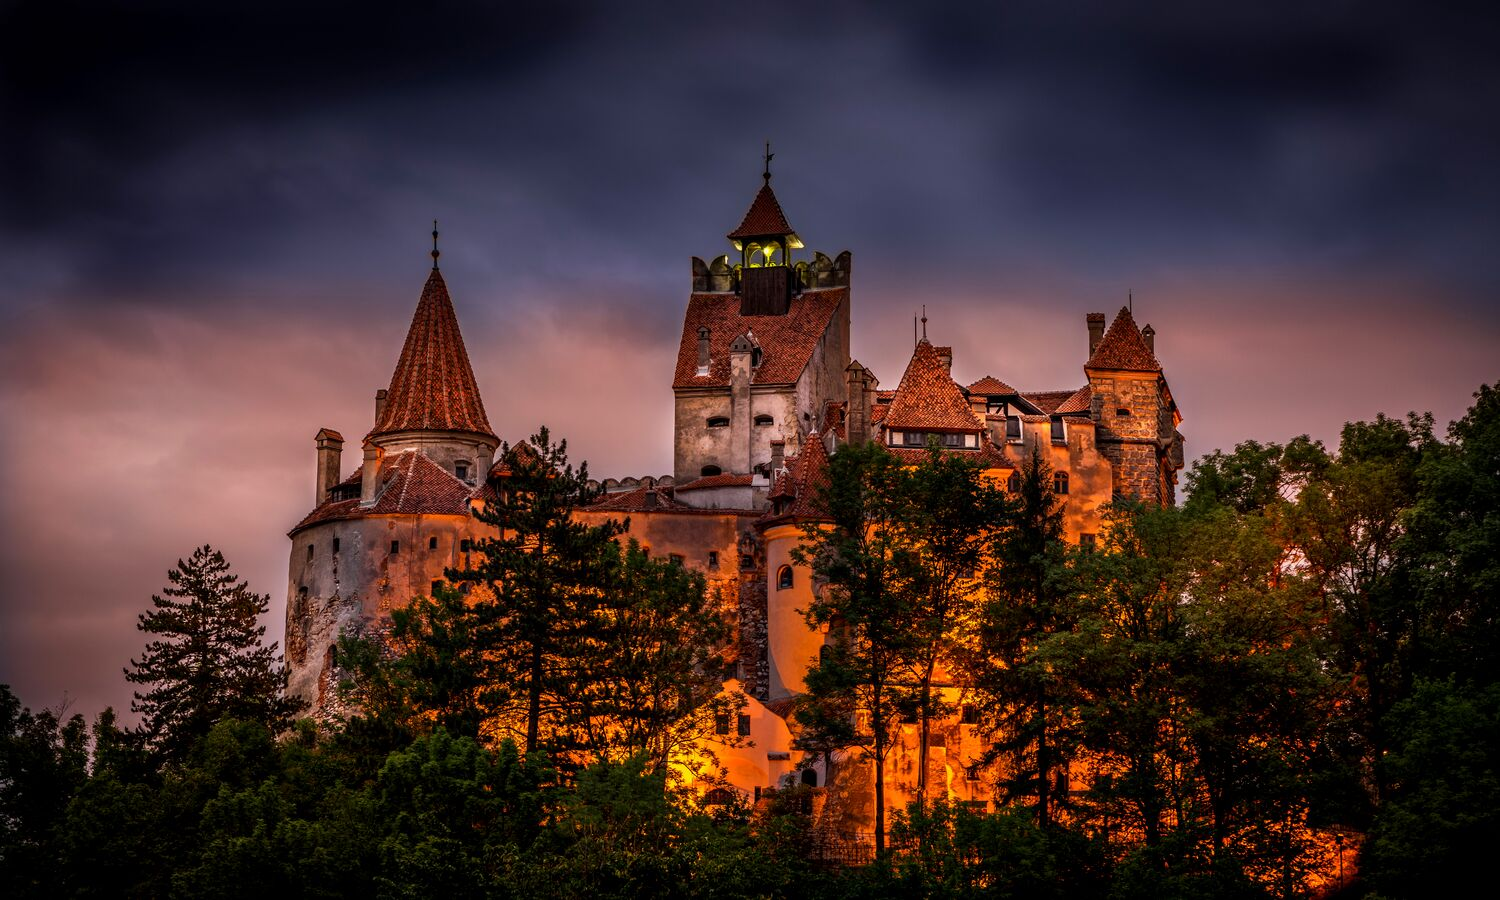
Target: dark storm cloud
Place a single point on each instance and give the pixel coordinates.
(213, 228)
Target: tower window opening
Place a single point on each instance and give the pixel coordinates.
(335, 545)
(1122, 412)
(395, 547)
(764, 420)
(432, 543)
(309, 552)
(783, 578)
(708, 471)
(461, 469)
(718, 422)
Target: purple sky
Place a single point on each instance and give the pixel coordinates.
(213, 231)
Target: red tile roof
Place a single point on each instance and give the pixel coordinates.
(1078, 403)
(804, 481)
(643, 499)
(433, 387)
(763, 218)
(1047, 401)
(786, 342)
(928, 398)
(714, 481)
(990, 385)
(410, 484)
(1122, 348)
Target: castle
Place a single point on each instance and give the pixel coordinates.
(764, 391)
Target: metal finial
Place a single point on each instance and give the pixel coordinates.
(924, 321)
(769, 156)
(1130, 301)
(435, 253)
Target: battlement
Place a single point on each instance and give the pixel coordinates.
(720, 276)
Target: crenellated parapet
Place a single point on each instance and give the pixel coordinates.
(723, 277)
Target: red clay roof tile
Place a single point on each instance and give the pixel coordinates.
(787, 342)
(928, 398)
(433, 387)
(763, 218)
(410, 484)
(1122, 348)
(990, 385)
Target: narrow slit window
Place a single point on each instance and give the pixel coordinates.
(309, 552)
(395, 547)
(335, 545)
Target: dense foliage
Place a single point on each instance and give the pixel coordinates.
(1294, 676)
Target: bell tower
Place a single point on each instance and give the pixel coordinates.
(765, 241)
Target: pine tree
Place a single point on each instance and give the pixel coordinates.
(208, 661)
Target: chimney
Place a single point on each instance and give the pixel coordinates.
(703, 360)
(379, 404)
(946, 355)
(1149, 334)
(330, 452)
(857, 413)
(1096, 330)
(778, 457)
(370, 479)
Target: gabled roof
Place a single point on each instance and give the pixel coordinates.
(1047, 401)
(410, 484)
(1122, 348)
(787, 342)
(991, 385)
(433, 387)
(1078, 403)
(928, 398)
(763, 218)
(802, 483)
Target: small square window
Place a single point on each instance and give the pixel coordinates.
(395, 547)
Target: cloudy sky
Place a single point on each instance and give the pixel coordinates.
(214, 227)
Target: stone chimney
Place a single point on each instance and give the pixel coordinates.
(1096, 330)
(703, 358)
(330, 452)
(370, 474)
(778, 457)
(946, 355)
(857, 413)
(1149, 334)
(380, 404)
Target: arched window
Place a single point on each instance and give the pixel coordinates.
(718, 422)
(783, 578)
(1060, 483)
(710, 470)
(764, 419)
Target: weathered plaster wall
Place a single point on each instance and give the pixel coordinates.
(792, 647)
(444, 448)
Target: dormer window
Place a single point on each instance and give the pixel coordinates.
(461, 469)
(718, 422)
(763, 420)
(755, 358)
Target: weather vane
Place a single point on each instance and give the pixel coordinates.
(769, 156)
(435, 253)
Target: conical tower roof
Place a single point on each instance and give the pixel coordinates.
(763, 218)
(433, 388)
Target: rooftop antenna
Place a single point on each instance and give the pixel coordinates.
(914, 331)
(435, 253)
(924, 321)
(769, 156)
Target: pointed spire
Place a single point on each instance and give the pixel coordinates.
(433, 387)
(435, 253)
